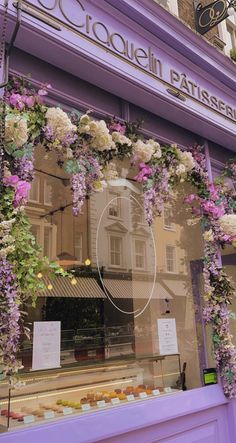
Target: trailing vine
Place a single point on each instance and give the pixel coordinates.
(88, 151)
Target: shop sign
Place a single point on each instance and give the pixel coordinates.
(80, 22)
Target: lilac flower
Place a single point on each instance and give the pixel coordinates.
(9, 317)
(24, 168)
(78, 186)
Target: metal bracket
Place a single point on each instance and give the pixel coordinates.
(8, 50)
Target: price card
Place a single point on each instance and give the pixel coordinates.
(86, 407)
(101, 403)
(156, 392)
(115, 401)
(67, 411)
(130, 397)
(29, 419)
(143, 395)
(168, 390)
(49, 414)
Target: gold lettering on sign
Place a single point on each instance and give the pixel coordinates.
(145, 59)
(118, 43)
(183, 83)
(139, 53)
(97, 27)
(72, 22)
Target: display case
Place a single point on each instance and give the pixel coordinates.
(54, 394)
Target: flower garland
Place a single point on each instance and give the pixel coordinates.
(88, 149)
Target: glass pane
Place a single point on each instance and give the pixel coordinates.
(131, 321)
(35, 190)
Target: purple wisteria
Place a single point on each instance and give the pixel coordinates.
(78, 186)
(24, 168)
(10, 315)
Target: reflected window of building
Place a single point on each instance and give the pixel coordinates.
(171, 259)
(78, 245)
(115, 251)
(232, 35)
(140, 254)
(170, 5)
(35, 229)
(137, 212)
(168, 223)
(114, 209)
(34, 195)
(45, 235)
(47, 192)
(227, 32)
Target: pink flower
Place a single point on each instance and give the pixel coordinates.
(213, 191)
(211, 208)
(190, 198)
(16, 101)
(30, 101)
(22, 193)
(11, 180)
(144, 174)
(42, 92)
(118, 127)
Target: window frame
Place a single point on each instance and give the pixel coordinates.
(175, 268)
(144, 255)
(45, 184)
(41, 224)
(79, 259)
(172, 226)
(38, 177)
(113, 196)
(121, 238)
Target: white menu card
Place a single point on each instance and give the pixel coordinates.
(167, 336)
(46, 345)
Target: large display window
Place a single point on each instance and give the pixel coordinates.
(129, 325)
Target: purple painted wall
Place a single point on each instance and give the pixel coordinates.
(198, 416)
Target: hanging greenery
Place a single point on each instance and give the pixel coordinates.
(88, 149)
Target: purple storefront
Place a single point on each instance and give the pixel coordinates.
(133, 60)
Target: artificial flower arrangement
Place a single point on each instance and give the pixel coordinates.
(88, 149)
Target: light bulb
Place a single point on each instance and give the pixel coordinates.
(50, 287)
(87, 262)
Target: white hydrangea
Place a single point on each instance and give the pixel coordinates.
(186, 159)
(101, 139)
(228, 224)
(144, 151)
(110, 171)
(59, 122)
(117, 137)
(7, 250)
(181, 169)
(16, 130)
(99, 185)
(157, 147)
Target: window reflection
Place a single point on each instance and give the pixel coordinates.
(137, 275)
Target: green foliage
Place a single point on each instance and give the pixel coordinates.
(233, 54)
